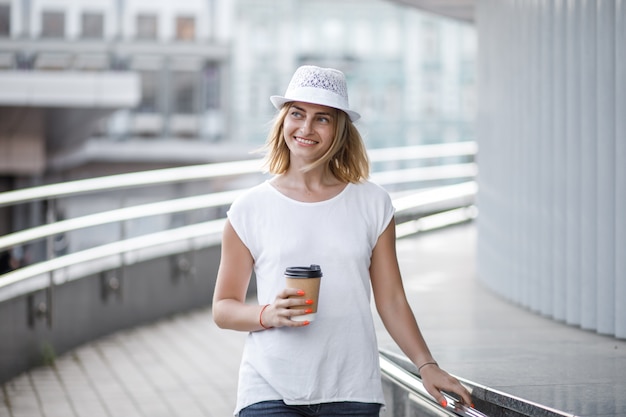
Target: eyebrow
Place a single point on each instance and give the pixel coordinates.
(321, 113)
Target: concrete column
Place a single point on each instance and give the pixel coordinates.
(620, 169)
(588, 164)
(573, 177)
(543, 292)
(561, 146)
(605, 90)
(552, 151)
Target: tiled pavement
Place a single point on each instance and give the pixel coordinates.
(186, 366)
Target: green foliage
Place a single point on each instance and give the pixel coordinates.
(48, 355)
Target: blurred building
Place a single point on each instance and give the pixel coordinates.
(90, 87)
(97, 87)
(411, 74)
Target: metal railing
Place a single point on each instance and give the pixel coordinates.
(398, 374)
(406, 395)
(428, 184)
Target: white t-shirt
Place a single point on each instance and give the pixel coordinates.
(335, 358)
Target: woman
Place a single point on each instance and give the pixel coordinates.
(319, 208)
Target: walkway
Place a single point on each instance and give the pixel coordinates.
(186, 366)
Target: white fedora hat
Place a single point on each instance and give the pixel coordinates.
(324, 86)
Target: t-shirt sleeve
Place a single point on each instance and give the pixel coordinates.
(388, 211)
(238, 218)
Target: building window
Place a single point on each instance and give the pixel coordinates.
(212, 86)
(146, 26)
(431, 39)
(184, 94)
(52, 24)
(5, 20)
(149, 96)
(92, 26)
(185, 28)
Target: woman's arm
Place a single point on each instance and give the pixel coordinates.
(399, 320)
(230, 310)
(233, 277)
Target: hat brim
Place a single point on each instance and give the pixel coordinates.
(279, 101)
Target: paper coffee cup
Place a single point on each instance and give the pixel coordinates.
(308, 279)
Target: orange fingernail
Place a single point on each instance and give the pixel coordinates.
(300, 292)
(472, 405)
(306, 323)
(308, 310)
(443, 403)
(309, 302)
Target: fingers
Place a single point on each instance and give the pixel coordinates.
(289, 292)
(453, 385)
(437, 380)
(466, 396)
(437, 395)
(290, 303)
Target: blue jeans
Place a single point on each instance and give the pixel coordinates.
(279, 408)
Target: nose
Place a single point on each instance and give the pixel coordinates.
(307, 126)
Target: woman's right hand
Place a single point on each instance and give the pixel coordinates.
(280, 312)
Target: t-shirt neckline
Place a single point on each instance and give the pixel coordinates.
(293, 200)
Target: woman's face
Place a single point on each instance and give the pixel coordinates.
(309, 130)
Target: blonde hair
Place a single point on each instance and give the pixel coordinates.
(346, 158)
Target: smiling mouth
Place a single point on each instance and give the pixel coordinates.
(304, 141)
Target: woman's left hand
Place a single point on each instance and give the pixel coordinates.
(436, 380)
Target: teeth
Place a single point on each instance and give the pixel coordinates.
(305, 141)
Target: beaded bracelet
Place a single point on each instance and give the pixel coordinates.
(427, 363)
(261, 315)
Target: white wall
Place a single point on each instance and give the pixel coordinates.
(552, 140)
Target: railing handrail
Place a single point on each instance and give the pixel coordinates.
(435, 150)
(413, 385)
(209, 200)
(211, 228)
(408, 175)
(127, 213)
(447, 199)
(134, 179)
(410, 202)
(212, 170)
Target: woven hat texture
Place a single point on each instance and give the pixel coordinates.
(323, 86)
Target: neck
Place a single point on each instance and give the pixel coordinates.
(316, 185)
(314, 179)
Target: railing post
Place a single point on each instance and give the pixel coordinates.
(50, 218)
